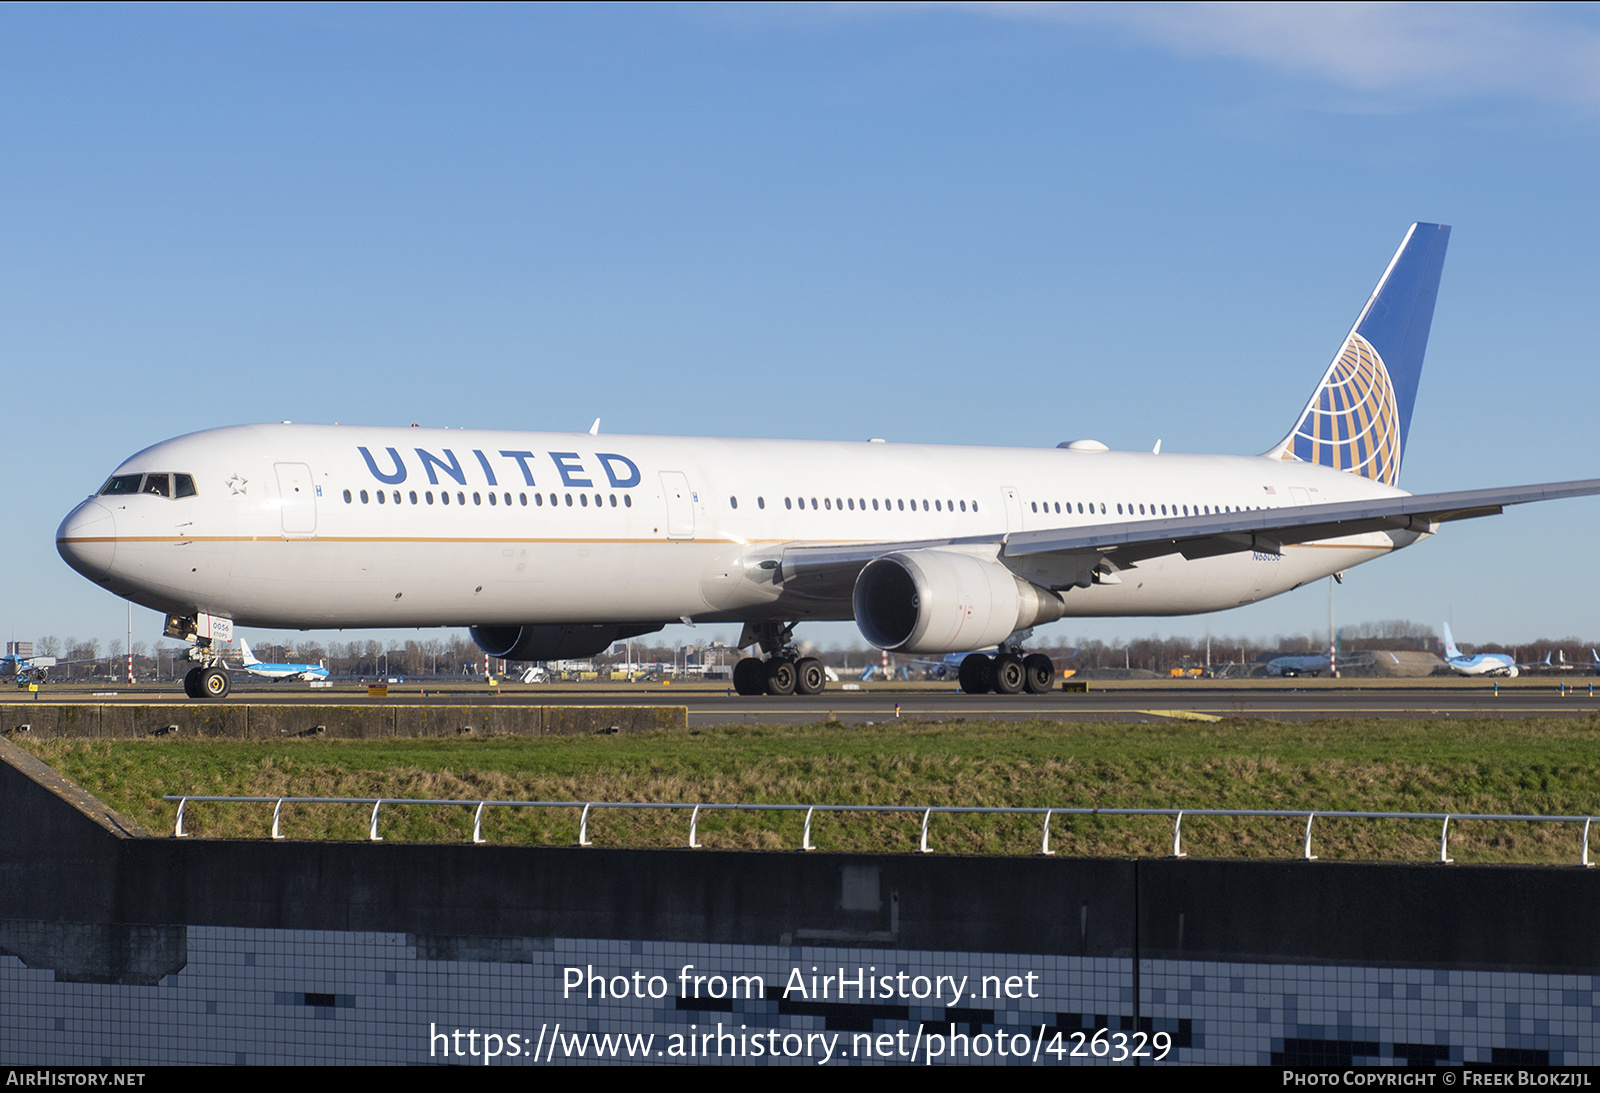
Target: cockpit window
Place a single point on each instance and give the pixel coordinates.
(121, 483)
(157, 485)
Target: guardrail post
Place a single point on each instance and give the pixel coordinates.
(1177, 837)
(477, 823)
(1444, 843)
(1044, 846)
(1586, 863)
(277, 811)
(694, 822)
(805, 836)
(1307, 854)
(372, 832)
(923, 847)
(583, 827)
(177, 832)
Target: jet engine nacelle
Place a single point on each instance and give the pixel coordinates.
(944, 601)
(555, 642)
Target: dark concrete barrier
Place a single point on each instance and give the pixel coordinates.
(378, 719)
(68, 859)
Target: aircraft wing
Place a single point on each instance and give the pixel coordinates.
(1060, 557)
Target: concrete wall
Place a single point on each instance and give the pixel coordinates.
(68, 858)
(46, 720)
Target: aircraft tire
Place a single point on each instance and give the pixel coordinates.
(214, 683)
(977, 674)
(749, 676)
(1038, 673)
(780, 677)
(191, 683)
(809, 677)
(1009, 675)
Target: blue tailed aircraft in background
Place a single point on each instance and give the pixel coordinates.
(1484, 664)
(279, 671)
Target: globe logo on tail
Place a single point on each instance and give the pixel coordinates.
(1353, 422)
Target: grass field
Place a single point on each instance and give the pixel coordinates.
(1531, 766)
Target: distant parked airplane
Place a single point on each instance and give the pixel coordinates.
(1484, 664)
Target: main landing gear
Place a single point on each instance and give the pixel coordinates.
(1007, 673)
(784, 671)
(209, 678)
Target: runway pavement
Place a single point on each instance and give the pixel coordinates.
(713, 705)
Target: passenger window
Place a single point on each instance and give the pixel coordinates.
(476, 498)
(569, 500)
(733, 502)
(522, 499)
(827, 503)
(613, 500)
(363, 497)
(492, 500)
(627, 501)
(538, 499)
(413, 497)
(347, 497)
(508, 498)
(428, 497)
(583, 499)
(444, 498)
(787, 503)
(397, 497)
(761, 502)
(382, 499)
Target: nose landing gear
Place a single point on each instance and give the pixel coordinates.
(209, 678)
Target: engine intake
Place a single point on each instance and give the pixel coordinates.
(944, 601)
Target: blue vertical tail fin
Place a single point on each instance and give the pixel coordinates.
(1359, 415)
(1450, 650)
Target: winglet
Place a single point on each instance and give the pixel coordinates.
(1360, 414)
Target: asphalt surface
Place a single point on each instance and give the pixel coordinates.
(713, 705)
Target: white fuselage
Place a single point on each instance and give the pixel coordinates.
(285, 528)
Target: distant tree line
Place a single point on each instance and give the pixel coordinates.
(454, 654)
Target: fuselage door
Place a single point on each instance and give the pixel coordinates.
(1013, 509)
(680, 504)
(299, 500)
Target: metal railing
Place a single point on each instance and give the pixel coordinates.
(927, 811)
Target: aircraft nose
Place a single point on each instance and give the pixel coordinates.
(87, 539)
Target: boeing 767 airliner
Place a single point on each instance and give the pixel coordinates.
(555, 545)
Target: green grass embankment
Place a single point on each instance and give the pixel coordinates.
(1536, 765)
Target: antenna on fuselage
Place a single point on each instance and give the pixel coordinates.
(594, 430)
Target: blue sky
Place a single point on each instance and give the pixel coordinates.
(963, 223)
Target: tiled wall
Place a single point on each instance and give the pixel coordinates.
(302, 996)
